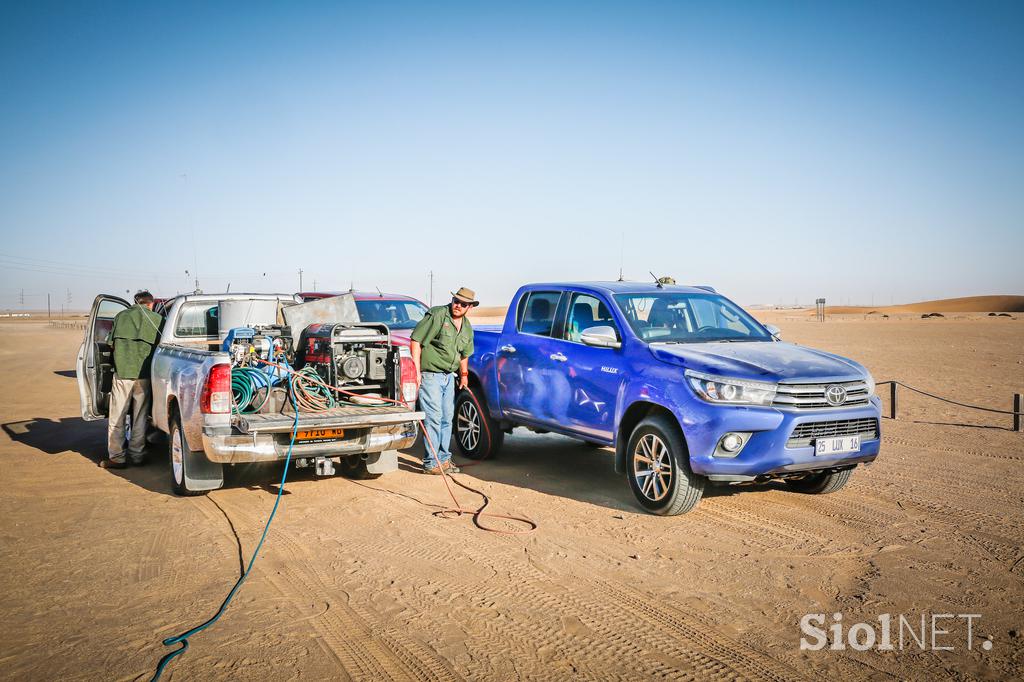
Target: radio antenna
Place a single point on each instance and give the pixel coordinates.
(622, 255)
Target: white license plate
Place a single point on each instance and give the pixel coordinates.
(836, 446)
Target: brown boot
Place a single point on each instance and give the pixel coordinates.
(111, 464)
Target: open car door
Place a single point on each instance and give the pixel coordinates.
(95, 364)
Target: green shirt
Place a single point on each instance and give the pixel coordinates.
(443, 345)
(134, 334)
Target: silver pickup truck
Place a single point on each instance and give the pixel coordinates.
(362, 440)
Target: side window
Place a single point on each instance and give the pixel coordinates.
(104, 323)
(108, 309)
(198, 319)
(587, 311)
(536, 314)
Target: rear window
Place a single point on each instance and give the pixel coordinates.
(198, 319)
(536, 313)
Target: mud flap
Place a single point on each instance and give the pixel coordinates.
(201, 473)
(382, 462)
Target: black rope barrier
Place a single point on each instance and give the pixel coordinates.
(1016, 412)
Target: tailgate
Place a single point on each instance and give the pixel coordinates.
(337, 417)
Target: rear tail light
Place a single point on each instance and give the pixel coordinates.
(410, 389)
(216, 396)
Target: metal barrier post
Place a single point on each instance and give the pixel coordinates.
(892, 400)
(1016, 411)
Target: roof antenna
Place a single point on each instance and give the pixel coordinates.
(379, 292)
(622, 252)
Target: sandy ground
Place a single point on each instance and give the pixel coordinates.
(359, 580)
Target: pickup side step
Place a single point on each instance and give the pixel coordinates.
(333, 418)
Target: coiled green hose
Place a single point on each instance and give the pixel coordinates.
(246, 382)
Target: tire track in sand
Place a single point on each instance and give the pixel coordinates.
(364, 651)
(671, 646)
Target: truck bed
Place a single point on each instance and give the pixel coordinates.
(336, 417)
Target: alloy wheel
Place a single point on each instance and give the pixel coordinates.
(177, 456)
(652, 467)
(468, 426)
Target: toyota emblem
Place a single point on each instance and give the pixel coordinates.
(835, 395)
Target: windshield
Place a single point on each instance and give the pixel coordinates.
(688, 318)
(395, 314)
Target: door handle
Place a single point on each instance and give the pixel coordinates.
(507, 348)
(558, 357)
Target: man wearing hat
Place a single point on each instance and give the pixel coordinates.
(441, 345)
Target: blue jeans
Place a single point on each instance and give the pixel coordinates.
(437, 400)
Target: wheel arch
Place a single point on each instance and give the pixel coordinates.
(634, 414)
(477, 385)
(172, 410)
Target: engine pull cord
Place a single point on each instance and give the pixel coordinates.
(184, 637)
(457, 509)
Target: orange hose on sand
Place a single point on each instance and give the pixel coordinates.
(458, 509)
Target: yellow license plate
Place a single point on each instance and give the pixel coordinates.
(319, 434)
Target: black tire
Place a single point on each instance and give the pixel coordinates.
(820, 484)
(658, 468)
(180, 454)
(477, 436)
(354, 467)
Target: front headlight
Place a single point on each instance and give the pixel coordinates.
(728, 391)
(871, 384)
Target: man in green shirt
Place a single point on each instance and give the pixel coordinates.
(133, 337)
(441, 345)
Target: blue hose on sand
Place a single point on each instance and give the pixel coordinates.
(183, 637)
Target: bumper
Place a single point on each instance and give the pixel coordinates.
(236, 448)
(766, 452)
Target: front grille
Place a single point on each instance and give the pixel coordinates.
(804, 434)
(812, 396)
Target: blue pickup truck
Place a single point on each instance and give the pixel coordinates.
(686, 385)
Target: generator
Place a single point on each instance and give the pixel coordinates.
(356, 357)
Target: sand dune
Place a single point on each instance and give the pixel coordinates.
(967, 304)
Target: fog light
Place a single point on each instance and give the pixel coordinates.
(731, 442)
(730, 445)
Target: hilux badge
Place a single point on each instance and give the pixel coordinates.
(835, 395)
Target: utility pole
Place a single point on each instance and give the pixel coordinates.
(21, 298)
(47, 305)
(300, 279)
(314, 285)
(431, 288)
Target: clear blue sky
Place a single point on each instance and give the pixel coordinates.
(778, 151)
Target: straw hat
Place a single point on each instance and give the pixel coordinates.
(466, 296)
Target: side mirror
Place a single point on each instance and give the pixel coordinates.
(601, 337)
(774, 331)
